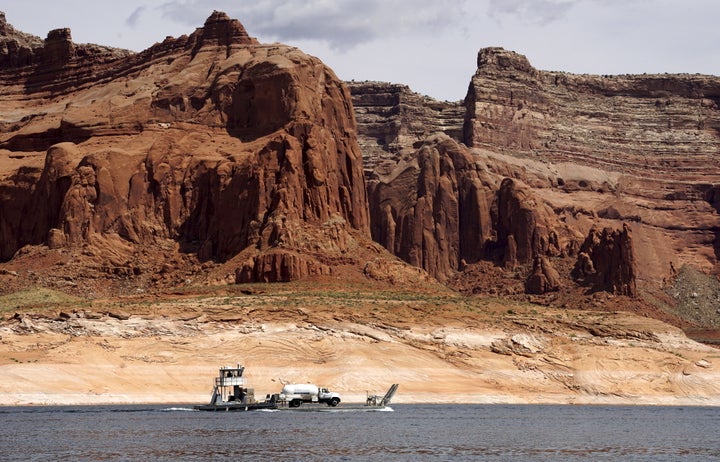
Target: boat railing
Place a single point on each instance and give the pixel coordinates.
(228, 381)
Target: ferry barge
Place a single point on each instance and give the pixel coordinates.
(231, 394)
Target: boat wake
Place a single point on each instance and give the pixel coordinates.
(323, 409)
(340, 409)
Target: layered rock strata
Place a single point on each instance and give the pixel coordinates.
(656, 134)
(660, 127)
(561, 154)
(393, 121)
(632, 148)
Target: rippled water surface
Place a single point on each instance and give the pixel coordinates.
(408, 433)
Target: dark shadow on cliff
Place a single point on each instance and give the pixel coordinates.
(14, 200)
(223, 216)
(38, 142)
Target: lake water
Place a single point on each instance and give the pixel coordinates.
(407, 433)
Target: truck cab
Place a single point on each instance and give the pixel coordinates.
(329, 397)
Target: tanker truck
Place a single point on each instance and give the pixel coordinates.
(296, 394)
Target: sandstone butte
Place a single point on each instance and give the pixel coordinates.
(213, 200)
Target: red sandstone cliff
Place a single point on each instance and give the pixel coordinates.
(433, 211)
(212, 141)
(609, 149)
(560, 155)
(394, 121)
(213, 151)
(607, 261)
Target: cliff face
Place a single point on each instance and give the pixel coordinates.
(635, 149)
(445, 209)
(394, 121)
(607, 262)
(560, 156)
(659, 132)
(213, 150)
(212, 140)
(433, 211)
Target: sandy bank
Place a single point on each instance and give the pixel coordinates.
(101, 359)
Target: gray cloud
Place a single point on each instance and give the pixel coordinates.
(134, 17)
(543, 12)
(531, 11)
(343, 24)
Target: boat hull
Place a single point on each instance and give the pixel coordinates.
(235, 407)
(340, 408)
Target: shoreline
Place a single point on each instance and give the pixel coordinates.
(37, 400)
(447, 355)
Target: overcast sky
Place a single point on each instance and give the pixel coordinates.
(429, 45)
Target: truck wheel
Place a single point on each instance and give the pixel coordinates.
(333, 402)
(295, 403)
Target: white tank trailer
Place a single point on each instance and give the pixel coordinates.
(297, 393)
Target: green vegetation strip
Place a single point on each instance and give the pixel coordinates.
(34, 298)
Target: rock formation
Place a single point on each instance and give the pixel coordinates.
(18, 49)
(394, 121)
(211, 140)
(557, 155)
(523, 224)
(212, 150)
(606, 150)
(543, 278)
(433, 211)
(656, 127)
(607, 262)
(443, 209)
